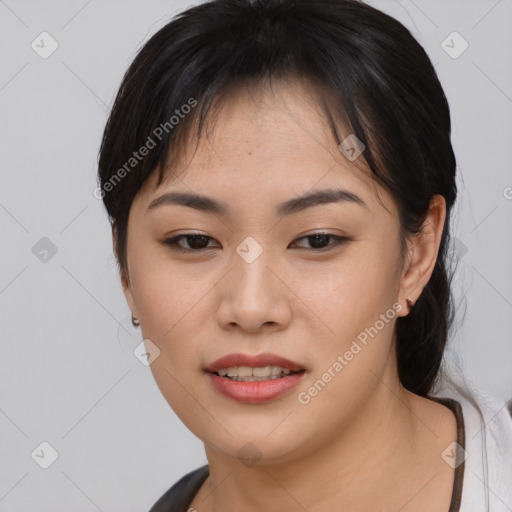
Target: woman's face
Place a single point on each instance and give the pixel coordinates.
(256, 284)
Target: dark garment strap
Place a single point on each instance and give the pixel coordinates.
(461, 440)
(181, 494)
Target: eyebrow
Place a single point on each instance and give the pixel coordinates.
(291, 206)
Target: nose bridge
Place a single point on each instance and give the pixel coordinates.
(255, 295)
(252, 275)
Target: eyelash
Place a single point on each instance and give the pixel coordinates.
(173, 242)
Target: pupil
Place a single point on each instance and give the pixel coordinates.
(196, 237)
(316, 238)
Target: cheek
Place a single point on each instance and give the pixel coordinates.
(167, 294)
(350, 294)
(179, 386)
(358, 317)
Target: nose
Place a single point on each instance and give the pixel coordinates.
(255, 297)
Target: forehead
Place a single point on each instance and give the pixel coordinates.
(272, 143)
(274, 122)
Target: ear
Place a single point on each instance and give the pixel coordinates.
(422, 253)
(125, 280)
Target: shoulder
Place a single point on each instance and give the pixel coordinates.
(178, 497)
(489, 452)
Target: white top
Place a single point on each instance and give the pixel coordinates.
(487, 482)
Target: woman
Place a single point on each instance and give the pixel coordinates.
(280, 177)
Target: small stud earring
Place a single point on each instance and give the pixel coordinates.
(410, 303)
(135, 321)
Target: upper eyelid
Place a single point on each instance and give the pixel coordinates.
(307, 235)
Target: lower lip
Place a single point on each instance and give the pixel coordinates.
(255, 391)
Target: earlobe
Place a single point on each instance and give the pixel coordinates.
(129, 299)
(422, 253)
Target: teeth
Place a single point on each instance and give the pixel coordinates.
(276, 370)
(249, 374)
(242, 371)
(265, 371)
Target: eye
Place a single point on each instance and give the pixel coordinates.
(319, 240)
(196, 242)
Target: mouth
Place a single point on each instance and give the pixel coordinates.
(255, 379)
(254, 367)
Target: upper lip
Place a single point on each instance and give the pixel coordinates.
(254, 361)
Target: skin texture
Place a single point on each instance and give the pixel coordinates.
(363, 442)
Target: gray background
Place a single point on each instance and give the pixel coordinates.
(67, 372)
